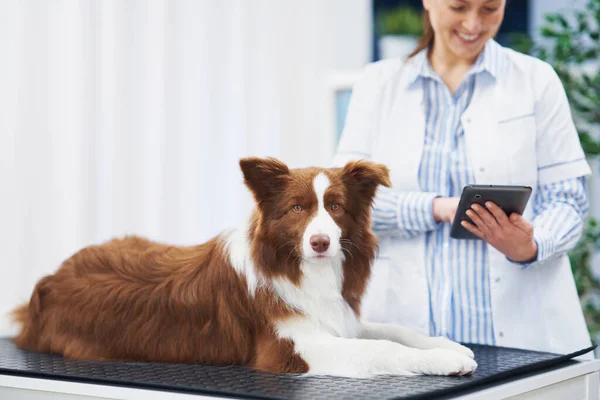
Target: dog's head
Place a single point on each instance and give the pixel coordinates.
(312, 214)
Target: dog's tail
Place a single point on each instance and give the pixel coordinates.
(20, 315)
(29, 317)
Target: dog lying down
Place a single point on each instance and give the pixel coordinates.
(281, 293)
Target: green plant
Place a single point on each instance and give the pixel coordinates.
(588, 285)
(571, 44)
(399, 21)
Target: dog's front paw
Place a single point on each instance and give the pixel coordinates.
(446, 362)
(445, 343)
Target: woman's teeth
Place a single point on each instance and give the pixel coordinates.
(468, 38)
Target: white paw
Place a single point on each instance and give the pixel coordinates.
(445, 343)
(446, 362)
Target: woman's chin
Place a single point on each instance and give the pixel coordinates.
(467, 52)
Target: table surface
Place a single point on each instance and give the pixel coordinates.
(512, 387)
(24, 368)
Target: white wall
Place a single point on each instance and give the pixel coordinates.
(341, 39)
(130, 117)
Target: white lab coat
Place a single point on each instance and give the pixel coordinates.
(518, 131)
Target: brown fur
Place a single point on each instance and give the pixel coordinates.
(132, 299)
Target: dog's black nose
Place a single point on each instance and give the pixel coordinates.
(319, 243)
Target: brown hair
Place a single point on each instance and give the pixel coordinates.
(427, 39)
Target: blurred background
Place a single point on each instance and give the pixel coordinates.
(129, 116)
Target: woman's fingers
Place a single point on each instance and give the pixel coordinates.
(473, 229)
(522, 223)
(498, 213)
(483, 224)
(485, 216)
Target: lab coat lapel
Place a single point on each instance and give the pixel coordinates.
(401, 143)
(480, 122)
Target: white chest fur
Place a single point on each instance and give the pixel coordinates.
(319, 298)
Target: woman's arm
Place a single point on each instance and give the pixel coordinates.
(560, 210)
(561, 203)
(403, 214)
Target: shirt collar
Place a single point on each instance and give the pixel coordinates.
(490, 60)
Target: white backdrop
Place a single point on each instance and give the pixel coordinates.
(130, 116)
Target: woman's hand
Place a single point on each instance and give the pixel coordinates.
(511, 236)
(444, 208)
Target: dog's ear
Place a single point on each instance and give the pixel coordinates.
(265, 177)
(365, 176)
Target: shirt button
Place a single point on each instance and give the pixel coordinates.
(481, 169)
(467, 120)
(501, 334)
(497, 279)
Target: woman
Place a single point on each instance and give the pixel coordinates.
(462, 109)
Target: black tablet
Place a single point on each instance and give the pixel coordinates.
(512, 199)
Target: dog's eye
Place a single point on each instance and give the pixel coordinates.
(335, 207)
(297, 208)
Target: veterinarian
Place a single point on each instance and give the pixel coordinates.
(464, 110)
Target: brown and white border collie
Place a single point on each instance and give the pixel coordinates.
(281, 293)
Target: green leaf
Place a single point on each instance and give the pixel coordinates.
(563, 22)
(589, 145)
(401, 20)
(582, 21)
(591, 54)
(549, 32)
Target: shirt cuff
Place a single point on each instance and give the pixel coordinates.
(545, 242)
(415, 210)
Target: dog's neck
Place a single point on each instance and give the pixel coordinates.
(321, 281)
(319, 298)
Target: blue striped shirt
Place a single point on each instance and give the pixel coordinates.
(457, 270)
